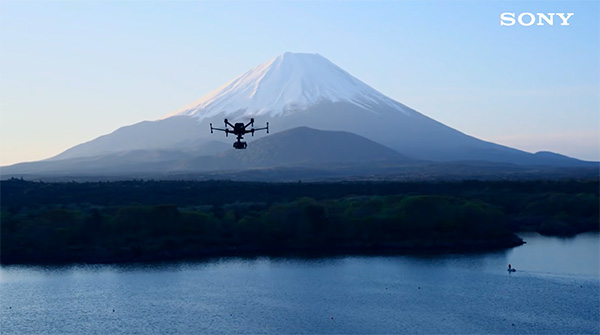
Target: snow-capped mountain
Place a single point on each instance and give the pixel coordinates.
(302, 90)
(285, 84)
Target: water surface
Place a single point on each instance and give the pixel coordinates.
(555, 290)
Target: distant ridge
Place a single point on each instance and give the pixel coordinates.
(304, 145)
(301, 146)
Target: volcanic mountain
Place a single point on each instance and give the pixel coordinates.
(301, 90)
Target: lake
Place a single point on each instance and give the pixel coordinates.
(554, 290)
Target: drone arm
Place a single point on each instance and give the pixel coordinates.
(227, 123)
(220, 129)
(250, 123)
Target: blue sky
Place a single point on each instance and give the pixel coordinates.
(72, 71)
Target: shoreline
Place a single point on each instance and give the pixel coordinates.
(412, 247)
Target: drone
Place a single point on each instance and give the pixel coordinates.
(239, 129)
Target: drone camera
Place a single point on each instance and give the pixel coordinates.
(240, 145)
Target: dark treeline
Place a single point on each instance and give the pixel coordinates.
(160, 220)
(19, 193)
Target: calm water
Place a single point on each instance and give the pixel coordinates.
(555, 290)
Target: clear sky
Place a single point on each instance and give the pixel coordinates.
(72, 71)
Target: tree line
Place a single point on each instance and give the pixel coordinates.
(155, 220)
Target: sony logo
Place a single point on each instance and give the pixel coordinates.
(528, 19)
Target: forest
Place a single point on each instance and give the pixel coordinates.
(147, 220)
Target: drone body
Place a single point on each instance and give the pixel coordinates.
(239, 129)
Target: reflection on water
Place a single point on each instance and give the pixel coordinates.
(555, 290)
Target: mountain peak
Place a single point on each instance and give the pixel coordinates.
(288, 82)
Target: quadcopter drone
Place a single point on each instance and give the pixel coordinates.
(239, 129)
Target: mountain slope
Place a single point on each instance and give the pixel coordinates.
(299, 147)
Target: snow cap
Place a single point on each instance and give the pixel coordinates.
(288, 82)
